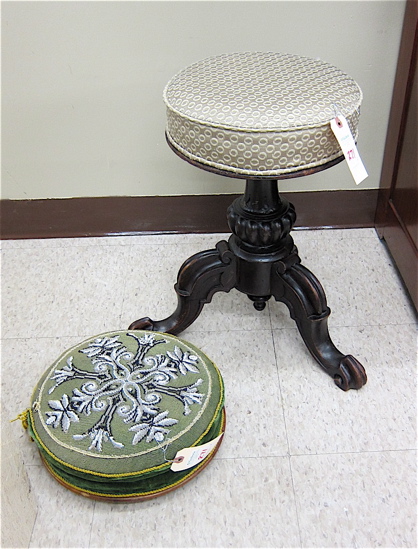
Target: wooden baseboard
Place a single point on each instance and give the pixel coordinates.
(126, 215)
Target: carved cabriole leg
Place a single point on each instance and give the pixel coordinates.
(199, 278)
(300, 290)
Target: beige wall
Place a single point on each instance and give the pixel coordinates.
(82, 85)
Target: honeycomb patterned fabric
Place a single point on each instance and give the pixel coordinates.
(259, 114)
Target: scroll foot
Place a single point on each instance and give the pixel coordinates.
(350, 375)
(303, 294)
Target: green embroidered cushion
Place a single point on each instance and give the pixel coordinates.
(111, 414)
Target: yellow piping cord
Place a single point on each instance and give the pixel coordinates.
(118, 475)
(139, 494)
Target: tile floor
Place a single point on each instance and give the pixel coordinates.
(303, 464)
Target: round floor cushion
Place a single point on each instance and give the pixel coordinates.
(112, 415)
(259, 113)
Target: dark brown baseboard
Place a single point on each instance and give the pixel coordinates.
(126, 215)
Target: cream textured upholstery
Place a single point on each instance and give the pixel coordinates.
(259, 114)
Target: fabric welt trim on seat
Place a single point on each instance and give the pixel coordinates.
(258, 113)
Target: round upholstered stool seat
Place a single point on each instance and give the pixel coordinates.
(111, 415)
(254, 114)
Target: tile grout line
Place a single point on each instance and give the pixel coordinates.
(296, 501)
(286, 431)
(91, 524)
(276, 329)
(278, 379)
(33, 527)
(344, 453)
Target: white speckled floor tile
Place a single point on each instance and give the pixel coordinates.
(326, 234)
(62, 291)
(357, 500)
(321, 418)
(359, 279)
(231, 311)
(232, 503)
(303, 464)
(64, 519)
(255, 422)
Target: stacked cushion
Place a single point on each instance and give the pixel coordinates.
(110, 415)
(259, 113)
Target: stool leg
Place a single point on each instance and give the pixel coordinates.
(303, 294)
(199, 278)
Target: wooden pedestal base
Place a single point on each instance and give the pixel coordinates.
(261, 261)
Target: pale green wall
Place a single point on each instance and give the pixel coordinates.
(82, 83)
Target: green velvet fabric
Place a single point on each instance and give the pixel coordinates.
(133, 486)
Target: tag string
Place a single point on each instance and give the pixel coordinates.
(337, 112)
(164, 450)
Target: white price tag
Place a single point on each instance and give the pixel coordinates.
(189, 457)
(341, 129)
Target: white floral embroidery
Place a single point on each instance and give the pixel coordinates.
(154, 430)
(62, 414)
(128, 384)
(184, 361)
